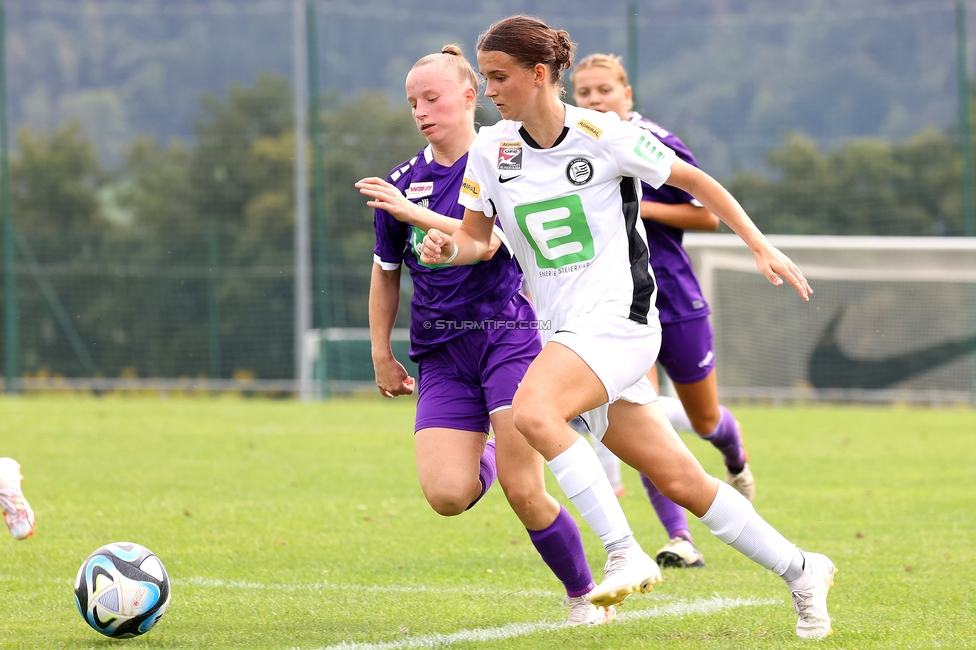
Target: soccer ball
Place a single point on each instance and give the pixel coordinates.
(122, 590)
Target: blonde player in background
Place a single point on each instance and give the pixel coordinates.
(600, 83)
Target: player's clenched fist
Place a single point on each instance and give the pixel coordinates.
(437, 248)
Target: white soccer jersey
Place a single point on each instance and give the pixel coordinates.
(572, 212)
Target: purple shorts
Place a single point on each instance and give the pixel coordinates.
(464, 380)
(687, 353)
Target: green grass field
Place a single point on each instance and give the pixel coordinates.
(285, 525)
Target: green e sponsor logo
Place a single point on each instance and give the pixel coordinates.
(649, 150)
(416, 239)
(557, 230)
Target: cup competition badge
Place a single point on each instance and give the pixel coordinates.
(510, 156)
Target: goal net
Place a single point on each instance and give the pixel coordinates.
(892, 318)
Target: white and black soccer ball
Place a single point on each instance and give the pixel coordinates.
(122, 590)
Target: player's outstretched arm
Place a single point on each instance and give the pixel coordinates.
(470, 243)
(384, 301)
(386, 196)
(680, 215)
(774, 265)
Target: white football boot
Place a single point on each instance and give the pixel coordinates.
(810, 597)
(16, 511)
(743, 482)
(625, 572)
(680, 553)
(583, 612)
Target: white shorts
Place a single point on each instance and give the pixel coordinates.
(620, 352)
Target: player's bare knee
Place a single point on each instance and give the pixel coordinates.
(530, 420)
(677, 489)
(447, 507)
(704, 424)
(521, 498)
(447, 503)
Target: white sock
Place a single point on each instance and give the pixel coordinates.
(579, 474)
(611, 464)
(733, 520)
(676, 414)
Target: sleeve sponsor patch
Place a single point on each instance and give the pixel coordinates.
(470, 188)
(649, 150)
(586, 127)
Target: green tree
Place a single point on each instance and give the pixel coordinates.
(127, 253)
(157, 187)
(864, 187)
(237, 176)
(55, 180)
(224, 168)
(364, 137)
(240, 175)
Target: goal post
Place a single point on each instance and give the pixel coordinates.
(891, 318)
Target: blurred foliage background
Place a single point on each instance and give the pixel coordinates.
(152, 167)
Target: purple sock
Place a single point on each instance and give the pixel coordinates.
(726, 439)
(672, 515)
(488, 472)
(561, 547)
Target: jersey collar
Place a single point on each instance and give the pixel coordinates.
(562, 136)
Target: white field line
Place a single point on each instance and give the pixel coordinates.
(680, 608)
(327, 586)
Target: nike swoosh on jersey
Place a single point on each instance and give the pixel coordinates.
(502, 179)
(831, 367)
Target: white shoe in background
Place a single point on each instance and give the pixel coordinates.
(16, 511)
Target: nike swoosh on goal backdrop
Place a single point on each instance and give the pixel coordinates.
(831, 367)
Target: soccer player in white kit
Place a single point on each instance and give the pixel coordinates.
(570, 210)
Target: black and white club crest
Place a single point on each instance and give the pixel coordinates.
(579, 171)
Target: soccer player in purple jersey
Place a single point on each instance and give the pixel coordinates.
(571, 215)
(472, 333)
(600, 83)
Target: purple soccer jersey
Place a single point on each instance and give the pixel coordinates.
(679, 297)
(445, 297)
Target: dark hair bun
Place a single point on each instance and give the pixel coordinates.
(563, 49)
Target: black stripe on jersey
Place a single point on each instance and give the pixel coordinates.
(535, 145)
(639, 255)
